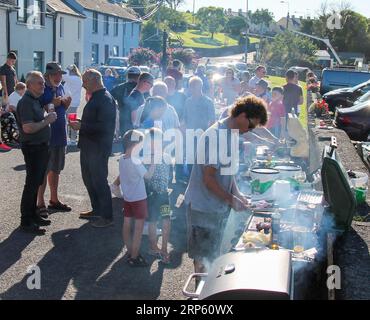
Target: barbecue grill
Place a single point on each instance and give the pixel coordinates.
(261, 273)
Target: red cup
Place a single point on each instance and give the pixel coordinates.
(72, 117)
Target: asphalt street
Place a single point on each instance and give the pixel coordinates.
(77, 261)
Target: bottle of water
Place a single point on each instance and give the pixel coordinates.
(275, 228)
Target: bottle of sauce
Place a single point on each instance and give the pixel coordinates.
(275, 229)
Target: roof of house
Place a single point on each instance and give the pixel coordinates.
(8, 2)
(60, 6)
(322, 53)
(293, 21)
(106, 7)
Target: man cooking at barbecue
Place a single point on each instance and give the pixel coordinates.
(211, 193)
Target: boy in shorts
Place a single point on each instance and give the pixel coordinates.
(158, 199)
(132, 173)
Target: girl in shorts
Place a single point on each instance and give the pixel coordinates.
(158, 199)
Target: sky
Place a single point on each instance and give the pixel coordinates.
(297, 7)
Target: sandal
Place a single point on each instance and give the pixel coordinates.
(42, 212)
(165, 259)
(156, 254)
(58, 206)
(138, 262)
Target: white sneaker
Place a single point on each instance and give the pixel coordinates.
(116, 191)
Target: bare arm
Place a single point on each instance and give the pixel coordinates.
(210, 181)
(150, 172)
(3, 84)
(34, 127)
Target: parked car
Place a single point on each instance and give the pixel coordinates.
(121, 72)
(117, 62)
(333, 79)
(364, 98)
(347, 96)
(355, 121)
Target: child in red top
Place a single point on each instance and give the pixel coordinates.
(276, 111)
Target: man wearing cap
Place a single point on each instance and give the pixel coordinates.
(8, 80)
(121, 93)
(53, 97)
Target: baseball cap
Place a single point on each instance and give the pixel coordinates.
(134, 70)
(53, 68)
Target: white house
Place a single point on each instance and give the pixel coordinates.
(110, 29)
(31, 35)
(6, 6)
(68, 44)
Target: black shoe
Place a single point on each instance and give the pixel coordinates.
(32, 228)
(41, 222)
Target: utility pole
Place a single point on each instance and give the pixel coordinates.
(164, 54)
(193, 11)
(246, 32)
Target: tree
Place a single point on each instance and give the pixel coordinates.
(236, 25)
(288, 49)
(141, 7)
(212, 19)
(174, 3)
(262, 17)
(354, 32)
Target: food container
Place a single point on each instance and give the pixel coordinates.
(263, 179)
(288, 172)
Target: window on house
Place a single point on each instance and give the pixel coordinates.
(106, 25)
(79, 30)
(115, 51)
(22, 11)
(95, 22)
(76, 59)
(124, 28)
(60, 57)
(95, 53)
(132, 30)
(39, 12)
(38, 61)
(61, 27)
(116, 27)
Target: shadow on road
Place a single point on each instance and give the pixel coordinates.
(12, 247)
(88, 263)
(21, 167)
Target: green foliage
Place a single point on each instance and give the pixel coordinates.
(212, 19)
(262, 17)
(142, 56)
(353, 36)
(149, 37)
(236, 25)
(288, 49)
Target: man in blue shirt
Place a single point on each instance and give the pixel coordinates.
(53, 98)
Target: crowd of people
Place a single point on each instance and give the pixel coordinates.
(137, 114)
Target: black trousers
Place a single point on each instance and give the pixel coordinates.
(94, 169)
(36, 158)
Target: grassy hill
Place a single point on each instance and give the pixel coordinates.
(199, 39)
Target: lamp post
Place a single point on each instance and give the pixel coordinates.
(288, 15)
(246, 32)
(193, 11)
